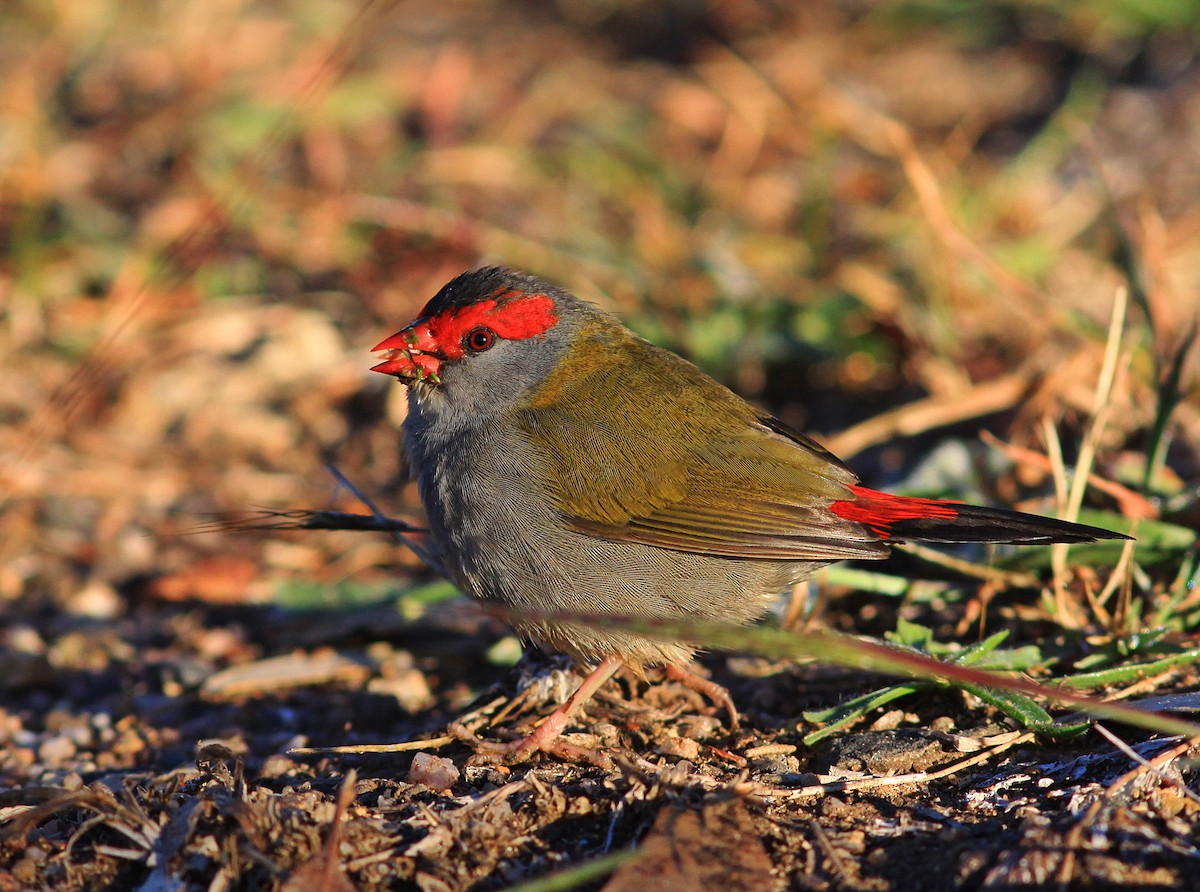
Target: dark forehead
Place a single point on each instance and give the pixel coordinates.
(496, 283)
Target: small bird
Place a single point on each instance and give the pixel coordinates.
(568, 466)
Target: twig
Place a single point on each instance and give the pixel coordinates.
(1101, 408)
(364, 748)
(868, 783)
(933, 412)
(308, 519)
(1132, 504)
(967, 568)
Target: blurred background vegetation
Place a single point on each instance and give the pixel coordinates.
(209, 211)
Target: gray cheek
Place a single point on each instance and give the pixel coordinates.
(487, 384)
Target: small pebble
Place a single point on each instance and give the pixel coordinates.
(96, 600)
(435, 772)
(56, 750)
(680, 748)
(25, 639)
(699, 727)
(409, 687)
(889, 721)
(277, 765)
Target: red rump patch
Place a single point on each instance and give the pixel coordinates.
(513, 318)
(879, 510)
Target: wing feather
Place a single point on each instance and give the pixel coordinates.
(699, 470)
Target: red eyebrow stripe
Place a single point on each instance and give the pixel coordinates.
(515, 319)
(523, 317)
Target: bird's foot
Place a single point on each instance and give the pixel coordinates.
(706, 688)
(546, 738)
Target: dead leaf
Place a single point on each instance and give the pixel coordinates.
(717, 847)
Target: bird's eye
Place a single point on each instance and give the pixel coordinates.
(479, 339)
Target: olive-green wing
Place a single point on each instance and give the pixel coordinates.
(694, 468)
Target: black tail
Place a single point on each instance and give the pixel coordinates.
(972, 523)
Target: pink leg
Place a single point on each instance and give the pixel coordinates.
(704, 687)
(553, 726)
(546, 734)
